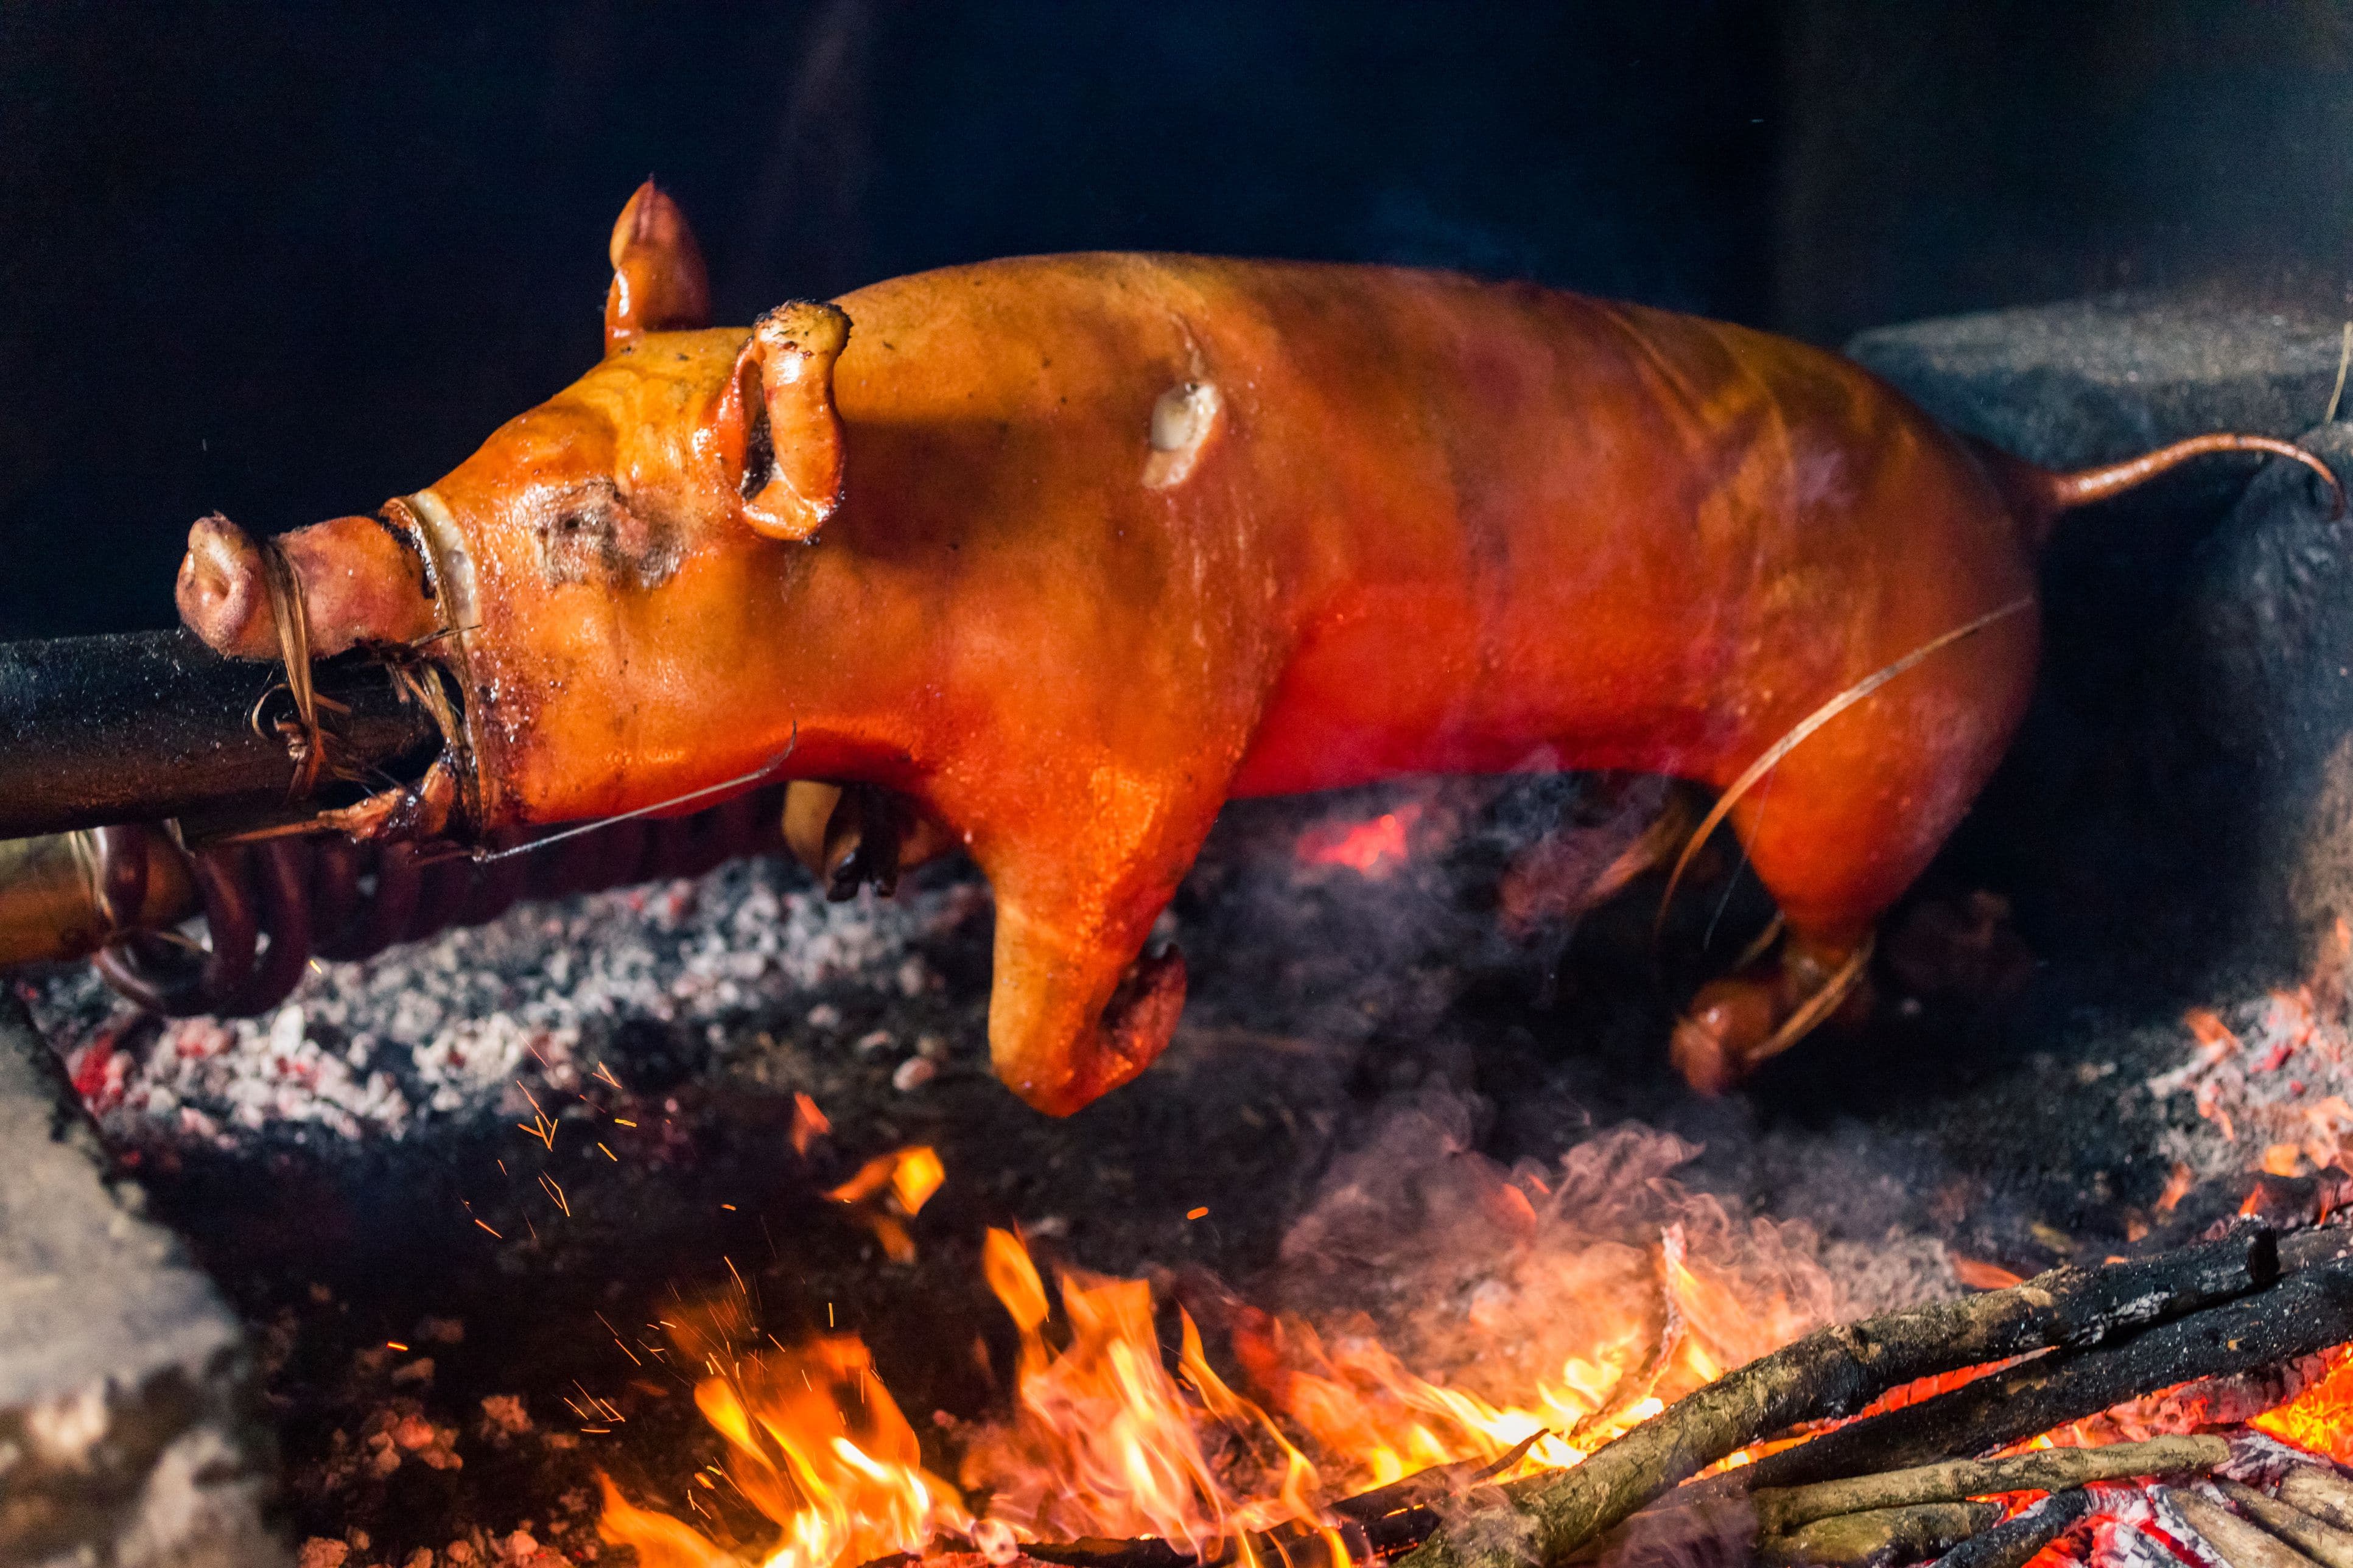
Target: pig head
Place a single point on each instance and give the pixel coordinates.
(638, 590)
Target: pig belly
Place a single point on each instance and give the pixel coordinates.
(1410, 691)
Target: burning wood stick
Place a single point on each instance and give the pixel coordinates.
(1836, 1371)
(1635, 1387)
(1881, 1536)
(2323, 1494)
(1780, 1511)
(2308, 1312)
(2323, 1543)
(2232, 1539)
(2014, 1543)
(1435, 1484)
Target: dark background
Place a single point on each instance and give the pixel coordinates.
(287, 260)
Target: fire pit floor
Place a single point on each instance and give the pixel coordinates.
(453, 1322)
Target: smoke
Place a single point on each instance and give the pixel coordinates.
(1498, 1279)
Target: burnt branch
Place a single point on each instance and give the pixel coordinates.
(2323, 1543)
(1435, 1484)
(2043, 1470)
(1375, 1524)
(1878, 1538)
(2232, 1539)
(2308, 1312)
(1836, 1371)
(2323, 1494)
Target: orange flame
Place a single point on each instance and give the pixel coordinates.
(1107, 1438)
(1103, 1440)
(816, 1444)
(2320, 1419)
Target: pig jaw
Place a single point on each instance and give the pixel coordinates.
(582, 703)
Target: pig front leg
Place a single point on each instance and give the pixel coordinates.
(1076, 1012)
(1076, 1007)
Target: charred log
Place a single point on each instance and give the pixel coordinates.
(2308, 1312)
(1835, 1372)
(2014, 1543)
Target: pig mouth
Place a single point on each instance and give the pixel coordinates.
(455, 581)
(452, 564)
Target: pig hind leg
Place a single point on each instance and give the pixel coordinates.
(1836, 833)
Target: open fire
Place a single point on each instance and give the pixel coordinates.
(1107, 1440)
(1535, 1314)
(1119, 1450)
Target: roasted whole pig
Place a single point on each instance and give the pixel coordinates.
(1051, 557)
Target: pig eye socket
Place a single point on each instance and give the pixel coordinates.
(590, 518)
(591, 534)
(585, 525)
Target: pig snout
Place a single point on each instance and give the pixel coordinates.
(359, 584)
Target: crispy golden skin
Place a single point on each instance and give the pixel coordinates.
(1069, 550)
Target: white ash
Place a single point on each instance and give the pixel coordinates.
(2136, 1530)
(445, 1029)
(2271, 1079)
(2264, 1462)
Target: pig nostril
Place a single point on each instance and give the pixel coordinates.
(219, 589)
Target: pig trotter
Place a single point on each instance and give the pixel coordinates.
(1143, 1013)
(855, 836)
(1741, 1021)
(848, 836)
(1071, 1021)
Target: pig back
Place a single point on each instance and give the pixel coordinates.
(1437, 525)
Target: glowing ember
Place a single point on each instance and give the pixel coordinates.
(1371, 849)
(2321, 1417)
(809, 1124)
(889, 1190)
(913, 1175)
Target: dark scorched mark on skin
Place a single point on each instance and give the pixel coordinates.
(592, 534)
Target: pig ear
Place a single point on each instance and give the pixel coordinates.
(775, 422)
(658, 282)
